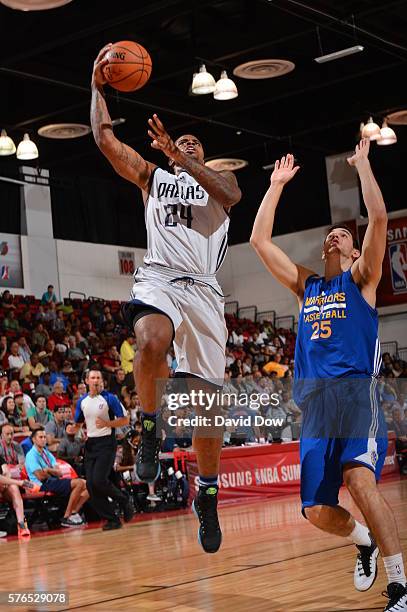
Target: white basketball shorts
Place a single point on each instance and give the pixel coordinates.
(195, 305)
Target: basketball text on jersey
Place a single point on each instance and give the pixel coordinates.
(323, 306)
(337, 334)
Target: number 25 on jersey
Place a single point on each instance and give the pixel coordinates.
(322, 329)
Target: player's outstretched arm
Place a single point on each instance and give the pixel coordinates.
(221, 186)
(288, 273)
(125, 160)
(367, 270)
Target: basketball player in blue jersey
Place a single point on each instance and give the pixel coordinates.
(176, 296)
(337, 359)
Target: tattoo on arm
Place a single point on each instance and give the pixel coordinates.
(223, 188)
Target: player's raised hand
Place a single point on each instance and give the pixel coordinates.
(361, 152)
(284, 170)
(161, 140)
(98, 77)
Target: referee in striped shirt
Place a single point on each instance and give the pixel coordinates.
(102, 413)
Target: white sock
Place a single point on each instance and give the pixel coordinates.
(360, 535)
(395, 568)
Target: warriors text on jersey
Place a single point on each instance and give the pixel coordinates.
(337, 334)
(186, 228)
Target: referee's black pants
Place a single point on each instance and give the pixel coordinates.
(99, 459)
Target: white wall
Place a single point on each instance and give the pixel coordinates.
(94, 269)
(244, 277)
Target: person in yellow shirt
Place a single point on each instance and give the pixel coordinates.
(32, 370)
(275, 366)
(127, 352)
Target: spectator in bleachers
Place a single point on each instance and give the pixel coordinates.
(10, 323)
(3, 352)
(57, 397)
(247, 365)
(127, 353)
(275, 365)
(55, 428)
(49, 297)
(236, 368)
(229, 357)
(51, 354)
(3, 384)
(228, 386)
(399, 426)
(108, 326)
(56, 375)
(237, 337)
(32, 369)
(3, 410)
(10, 489)
(27, 323)
(43, 470)
(10, 451)
(110, 360)
(117, 384)
(81, 341)
(12, 413)
(71, 449)
(15, 361)
(289, 406)
(23, 349)
(39, 336)
(44, 387)
(248, 383)
(134, 408)
(15, 388)
(80, 391)
(239, 384)
(59, 323)
(75, 355)
(7, 301)
(39, 415)
(62, 346)
(50, 315)
(20, 414)
(40, 314)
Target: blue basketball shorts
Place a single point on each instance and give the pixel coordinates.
(342, 424)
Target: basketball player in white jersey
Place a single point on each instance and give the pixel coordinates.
(176, 296)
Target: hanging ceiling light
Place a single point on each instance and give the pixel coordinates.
(34, 5)
(371, 130)
(225, 88)
(27, 149)
(7, 146)
(388, 136)
(203, 82)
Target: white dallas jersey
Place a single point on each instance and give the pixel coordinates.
(186, 229)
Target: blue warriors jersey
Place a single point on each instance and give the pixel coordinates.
(337, 335)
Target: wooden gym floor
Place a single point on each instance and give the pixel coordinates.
(271, 560)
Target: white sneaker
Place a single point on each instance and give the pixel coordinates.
(366, 566)
(3, 534)
(76, 518)
(153, 497)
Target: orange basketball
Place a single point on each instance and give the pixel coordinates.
(129, 66)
